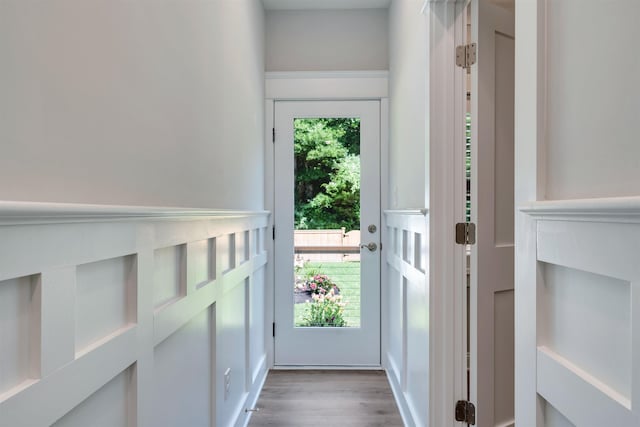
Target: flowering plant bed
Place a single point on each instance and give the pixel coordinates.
(345, 276)
(319, 284)
(325, 310)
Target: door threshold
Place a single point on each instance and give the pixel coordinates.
(329, 367)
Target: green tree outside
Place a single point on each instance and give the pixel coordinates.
(327, 173)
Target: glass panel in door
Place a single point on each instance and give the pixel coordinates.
(326, 260)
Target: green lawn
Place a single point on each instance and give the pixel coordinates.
(347, 276)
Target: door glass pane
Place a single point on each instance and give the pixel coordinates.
(326, 290)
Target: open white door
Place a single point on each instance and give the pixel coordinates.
(492, 207)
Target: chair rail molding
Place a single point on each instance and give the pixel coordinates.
(14, 213)
(611, 209)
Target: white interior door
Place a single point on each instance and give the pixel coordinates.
(319, 247)
(492, 206)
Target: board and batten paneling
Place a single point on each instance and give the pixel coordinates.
(127, 316)
(405, 295)
(587, 311)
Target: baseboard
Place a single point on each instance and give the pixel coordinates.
(398, 394)
(243, 417)
(328, 367)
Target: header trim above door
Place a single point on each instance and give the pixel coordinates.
(312, 85)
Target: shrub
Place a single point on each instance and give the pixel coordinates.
(325, 311)
(319, 284)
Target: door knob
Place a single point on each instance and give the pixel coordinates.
(371, 246)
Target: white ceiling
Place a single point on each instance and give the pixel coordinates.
(324, 4)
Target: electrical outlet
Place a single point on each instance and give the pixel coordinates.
(227, 383)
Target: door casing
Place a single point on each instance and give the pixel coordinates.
(303, 346)
(310, 86)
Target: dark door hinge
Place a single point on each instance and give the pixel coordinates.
(274, 329)
(273, 135)
(465, 412)
(465, 233)
(273, 232)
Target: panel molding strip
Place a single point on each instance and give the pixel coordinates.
(584, 400)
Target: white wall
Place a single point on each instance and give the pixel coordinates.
(327, 40)
(593, 148)
(139, 103)
(408, 154)
(407, 332)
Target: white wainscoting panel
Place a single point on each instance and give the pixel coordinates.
(227, 256)
(20, 331)
(553, 418)
(406, 295)
(588, 311)
(170, 274)
(105, 300)
(201, 261)
(126, 316)
(257, 286)
(587, 319)
(182, 396)
(113, 405)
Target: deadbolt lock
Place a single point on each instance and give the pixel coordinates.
(372, 228)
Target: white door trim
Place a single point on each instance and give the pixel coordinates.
(309, 86)
(302, 346)
(447, 278)
(529, 186)
(327, 85)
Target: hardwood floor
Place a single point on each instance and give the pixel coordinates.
(326, 398)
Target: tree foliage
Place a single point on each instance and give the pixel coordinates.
(327, 163)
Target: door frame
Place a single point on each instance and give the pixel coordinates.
(447, 273)
(450, 84)
(321, 86)
(307, 347)
(447, 261)
(530, 175)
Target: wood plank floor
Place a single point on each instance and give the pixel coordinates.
(326, 398)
